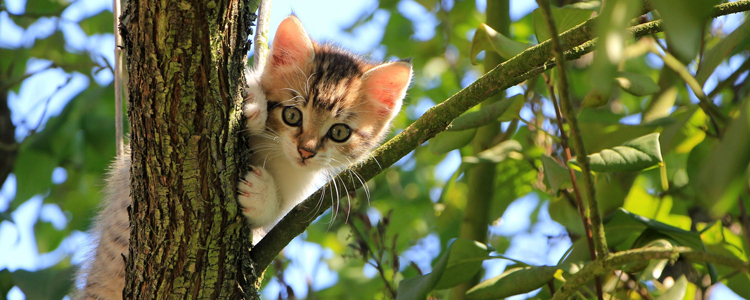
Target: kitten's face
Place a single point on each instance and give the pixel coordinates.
(327, 107)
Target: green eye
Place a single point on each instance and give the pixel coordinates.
(292, 116)
(339, 133)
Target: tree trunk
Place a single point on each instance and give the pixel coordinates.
(185, 62)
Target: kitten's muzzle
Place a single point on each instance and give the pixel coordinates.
(305, 154)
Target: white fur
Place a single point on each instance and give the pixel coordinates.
(278, 182)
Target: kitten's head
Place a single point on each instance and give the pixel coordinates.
(328, 107)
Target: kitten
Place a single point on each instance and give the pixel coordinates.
(323, 110)
(312, 110)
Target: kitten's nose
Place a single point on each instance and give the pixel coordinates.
(305, 153)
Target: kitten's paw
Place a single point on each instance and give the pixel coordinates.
(255, 106)
(256, 115)
(258, 199)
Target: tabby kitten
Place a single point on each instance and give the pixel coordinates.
(324, 109)
(313, 109)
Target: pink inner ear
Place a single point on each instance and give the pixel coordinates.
(386, 93)
(284, 55)
(387, 84)
(291, 44)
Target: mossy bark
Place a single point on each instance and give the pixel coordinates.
(185, 61)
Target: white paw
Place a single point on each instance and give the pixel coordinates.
(255, 115)
(258, 199)
(255, 107)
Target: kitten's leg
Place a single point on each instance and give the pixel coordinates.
(258, 198)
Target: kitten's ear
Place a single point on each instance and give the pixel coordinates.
(385, 86)
(291, 45)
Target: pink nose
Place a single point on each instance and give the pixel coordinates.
(305, 153)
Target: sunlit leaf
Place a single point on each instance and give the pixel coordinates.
(634, 155)
(636, 84)
(724, 174)
(722, 50)
(557, 175)
(495, 154)
(487, 39)
(504, 110)
(684, 24)
(613, 36)
(447, 141)
(512, 282)
(677, 291)
(565, 18)
(460, 256)
(464, 262)
(99, 23)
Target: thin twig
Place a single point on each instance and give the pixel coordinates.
(261, 34)
(593, 223)
(118, 70)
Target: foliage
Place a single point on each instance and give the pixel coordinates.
(676, 181)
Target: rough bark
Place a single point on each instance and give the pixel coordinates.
(185, 61)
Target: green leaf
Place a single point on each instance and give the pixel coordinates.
(595, 98)
(462, 264)
(623, 228)
(33, 171)
(637, 84)
(633, 155)
(613, 36)
(724, 174)
(563, 210)
(12, 66)
(565, 18)
(740, 284)
(36, 9)
(52, 283)
(600, 129)
(447, 141)
(102, 22)
(722, 50)
(48, 238)
(6, 282)
(557, 175)
(487, 39)
(495, 154)
(512, 282)
(46, 7)
(504, 110)
(684, 25)
(53, 49)
(677, 291)
(465, 261)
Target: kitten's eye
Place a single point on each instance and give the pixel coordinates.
(292, 116)
(339, 133)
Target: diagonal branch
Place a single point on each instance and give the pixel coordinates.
(526, 64)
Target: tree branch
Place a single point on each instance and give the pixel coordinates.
(261, 34)
(526, 64)
(602, 266)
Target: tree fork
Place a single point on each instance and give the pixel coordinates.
(185, 60)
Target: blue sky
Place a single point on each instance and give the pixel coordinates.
(17, 242)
